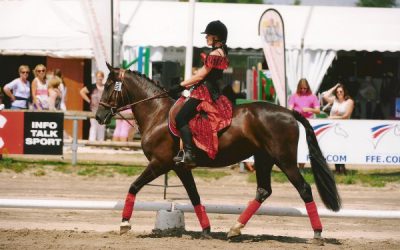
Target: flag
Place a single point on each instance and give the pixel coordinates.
(272, 33)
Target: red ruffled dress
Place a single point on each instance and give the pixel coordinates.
(217, 107)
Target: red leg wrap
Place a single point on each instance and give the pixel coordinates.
(202, 216)
(253, 206)
(313, 215)
(128, 208)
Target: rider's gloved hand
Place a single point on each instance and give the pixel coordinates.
(176, 89)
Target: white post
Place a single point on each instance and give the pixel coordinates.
(189, 43)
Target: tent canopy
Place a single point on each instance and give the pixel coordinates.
(58, 27)
(45, 28)
(160, 23)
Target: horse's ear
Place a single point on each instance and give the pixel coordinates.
(109, 66)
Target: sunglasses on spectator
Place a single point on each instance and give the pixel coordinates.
(339, 91)
(40, 70)
(24, 72)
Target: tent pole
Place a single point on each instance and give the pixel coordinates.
(189, 43)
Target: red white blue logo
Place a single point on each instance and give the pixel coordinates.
(321, 129)
(378, 132)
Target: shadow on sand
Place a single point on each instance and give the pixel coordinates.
(178, 233)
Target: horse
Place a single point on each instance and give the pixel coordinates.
(267, 131)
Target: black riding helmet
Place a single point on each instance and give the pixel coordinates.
(217, 28)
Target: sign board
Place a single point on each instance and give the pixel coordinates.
(354, 141)
(31, 132)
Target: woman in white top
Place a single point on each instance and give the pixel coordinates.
(19, 90)
(342, 108)
(39, 88)
(342, 104)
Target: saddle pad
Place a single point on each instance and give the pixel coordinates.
(205, 128)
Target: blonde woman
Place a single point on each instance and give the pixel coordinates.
(304, 102)
(39, 88)
(54, 93)
(19, 90)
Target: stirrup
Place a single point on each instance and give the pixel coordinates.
(189, 159)
(179, 157)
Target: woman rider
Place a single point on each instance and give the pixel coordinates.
(204, 87)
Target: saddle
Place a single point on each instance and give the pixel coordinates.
(212, 117)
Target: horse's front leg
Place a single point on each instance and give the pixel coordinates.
(187, 180)
(152, 171)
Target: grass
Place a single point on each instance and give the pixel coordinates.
(90, 169)
(372, 178)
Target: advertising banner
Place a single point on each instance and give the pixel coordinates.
(11, 132)
(271, 31)
(355, 141)
(31, 133)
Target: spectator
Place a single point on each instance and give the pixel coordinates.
(39, 88)
(54, 93)
(342, 108)
(123, 128)
(95, 90)
(63, 90)
(19, 90)
(304, 102)
(367, 98)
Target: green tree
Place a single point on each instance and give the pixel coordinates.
(377, 3)
(297, 2)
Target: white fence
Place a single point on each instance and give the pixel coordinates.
(210, 208)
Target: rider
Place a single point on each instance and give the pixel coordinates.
(203, 85)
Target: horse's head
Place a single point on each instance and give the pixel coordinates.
(115, 95)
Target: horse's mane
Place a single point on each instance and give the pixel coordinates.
(147, 79)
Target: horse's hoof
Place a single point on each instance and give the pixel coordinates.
(317, 235)
(205, 234)
(124, 227)
(235, 230)
(318, 240)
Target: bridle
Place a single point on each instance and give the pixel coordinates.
(114, 110)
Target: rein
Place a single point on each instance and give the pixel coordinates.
(116, 111)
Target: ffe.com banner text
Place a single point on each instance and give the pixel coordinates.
(354, 141)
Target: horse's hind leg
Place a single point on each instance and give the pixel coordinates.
(263, 165)
(187, 180)
(304, 189)
(148, 175)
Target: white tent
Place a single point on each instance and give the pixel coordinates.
(162, 23)
(45, 28)
(59, 28)
(320, 31)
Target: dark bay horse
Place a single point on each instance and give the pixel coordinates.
(267, 131)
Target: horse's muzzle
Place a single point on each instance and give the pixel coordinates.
(103, 116)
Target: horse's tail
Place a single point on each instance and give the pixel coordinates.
(323, 176)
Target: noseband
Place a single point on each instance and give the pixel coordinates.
(118, 87)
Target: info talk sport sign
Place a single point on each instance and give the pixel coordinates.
(31, 132)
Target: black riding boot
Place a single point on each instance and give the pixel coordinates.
(188, 159)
